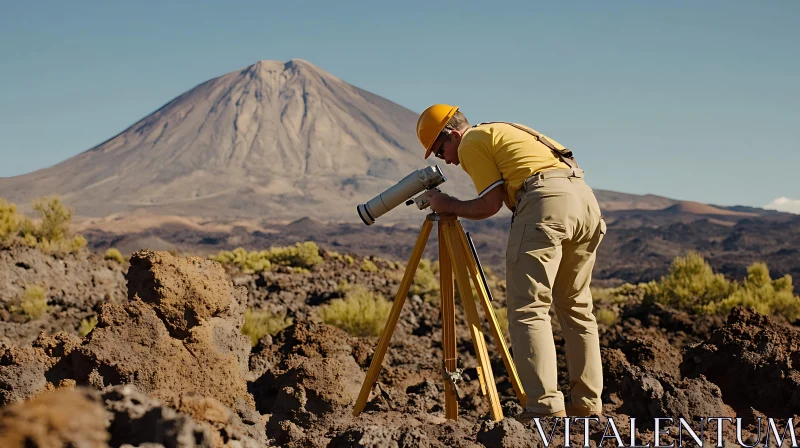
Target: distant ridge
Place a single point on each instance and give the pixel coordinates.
(697, 208)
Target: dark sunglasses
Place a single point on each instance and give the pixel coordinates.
(439, 152)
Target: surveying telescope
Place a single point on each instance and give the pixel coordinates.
(419, 181)
(459, 264)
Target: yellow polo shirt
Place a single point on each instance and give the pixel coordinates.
(498, 153)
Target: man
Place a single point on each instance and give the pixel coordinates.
(555, 231)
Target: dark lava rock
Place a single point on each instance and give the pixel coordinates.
(651, 353)
(648, 393)
(507, 433)
(374, 436)
(54, 419)
(754, 361)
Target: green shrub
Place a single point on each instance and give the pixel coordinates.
(29, 240)
(115, 255)
(368, 266)
(258, 324)
(343, 287)
(758, 275)
(360, 313)
(10, 220)
(33, 304)
(606, 317)
(426, 283)
(248, 262)
(50, 235)
(55, 219)
(620, 295)
(77, 243)
(87, 325)
(70, 246)
(301, 255)
(47, 246)
(690, 284)
(28, 230)
(349, 259)
(759, 291)
(604, 295)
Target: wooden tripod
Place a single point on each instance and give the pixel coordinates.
(454, 258)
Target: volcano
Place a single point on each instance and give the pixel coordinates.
(274, 140)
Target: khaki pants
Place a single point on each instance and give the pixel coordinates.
(555, 233)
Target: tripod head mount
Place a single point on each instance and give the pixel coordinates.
(433, 216)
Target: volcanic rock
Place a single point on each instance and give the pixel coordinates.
(651, 353)
(380, 436)
(196, 421)
(754, 361)
(315, 377)
(121, 416)
(507, 433)
(28, 370)
(74, 286)
(178, 334)
(647, 393)
(55, 419)
(182, 344)
(22, 373)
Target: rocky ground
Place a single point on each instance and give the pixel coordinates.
(639, 245)
(167, 365)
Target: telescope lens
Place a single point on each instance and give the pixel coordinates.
(364, 214)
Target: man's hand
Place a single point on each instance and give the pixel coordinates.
(439, 202)
(478, 208)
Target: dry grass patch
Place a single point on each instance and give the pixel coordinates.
(360, 312)
(33, 303)
(301, 257)
(87, 325)
(368, 266)
(606, 317)
(258, 324)
(115, 255)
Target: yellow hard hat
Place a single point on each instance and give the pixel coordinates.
(431, 122)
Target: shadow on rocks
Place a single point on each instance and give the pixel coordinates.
(754, 361)
(647, 393)
(314, 379)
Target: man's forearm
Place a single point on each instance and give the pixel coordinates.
(473, 209)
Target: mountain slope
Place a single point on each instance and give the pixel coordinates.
(274, 139)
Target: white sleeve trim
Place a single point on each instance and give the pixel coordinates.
(489, 188)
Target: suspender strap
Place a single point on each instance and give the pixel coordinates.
(565, 155)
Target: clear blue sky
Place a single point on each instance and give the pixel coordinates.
(686, 99)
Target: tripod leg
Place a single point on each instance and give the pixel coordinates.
(448, 308)
(488, 311)
(458, 259)
(394, 315)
